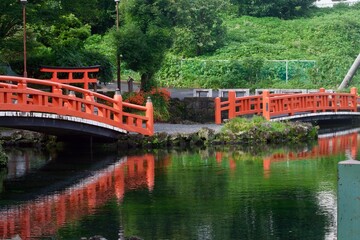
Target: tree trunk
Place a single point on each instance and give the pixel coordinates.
(146, 82)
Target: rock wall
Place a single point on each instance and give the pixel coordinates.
(193, 109)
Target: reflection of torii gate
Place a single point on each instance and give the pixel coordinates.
(327, 146)
(43, 218)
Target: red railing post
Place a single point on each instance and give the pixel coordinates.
(266, 104)
(71, 104)
(217, 110)
(56, 90)
(323, 100)
(22, 96)
(89, 107)
(232, 98)
(118, 106)
(150, 116)
(353, 91)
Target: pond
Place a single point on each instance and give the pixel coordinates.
(222, 193)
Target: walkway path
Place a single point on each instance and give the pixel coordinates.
(167, 127)
(183, 128)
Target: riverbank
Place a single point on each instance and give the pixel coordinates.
(255, 131)
(239, 131)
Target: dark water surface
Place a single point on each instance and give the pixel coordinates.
(198, 194)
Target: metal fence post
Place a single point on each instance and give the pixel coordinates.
(217, 110)
(348, 200)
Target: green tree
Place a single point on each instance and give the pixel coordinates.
(269, 8)
(11, 29)
(99, 14)
(144, 37)
(199, 28)
(10, 12)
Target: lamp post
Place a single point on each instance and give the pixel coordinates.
(118, 67)
(23, 2)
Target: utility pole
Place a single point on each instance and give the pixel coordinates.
(350, 74)
(118, 62)
(23, 2)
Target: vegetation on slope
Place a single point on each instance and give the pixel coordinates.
(329, 39)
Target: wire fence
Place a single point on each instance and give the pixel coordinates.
(269, 69)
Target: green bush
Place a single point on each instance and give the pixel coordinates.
(237, 125)
(258, 130)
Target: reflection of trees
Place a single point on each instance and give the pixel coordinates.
(23, 160)
(232, 198)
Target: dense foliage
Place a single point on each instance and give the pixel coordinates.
(320, 50)
(144, 37)
(270, 8)
(199, 27)
(56, 34)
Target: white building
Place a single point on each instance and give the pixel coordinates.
(330, 3)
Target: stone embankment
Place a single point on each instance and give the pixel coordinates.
(24, 138)
(180, 135)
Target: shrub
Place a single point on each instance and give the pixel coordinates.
(160, 98)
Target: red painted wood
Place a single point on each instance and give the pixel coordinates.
(16, 95)
(276, 105)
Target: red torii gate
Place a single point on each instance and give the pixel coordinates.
(70, 71)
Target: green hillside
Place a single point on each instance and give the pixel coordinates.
(328, 39)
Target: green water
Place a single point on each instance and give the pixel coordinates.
(198, 194)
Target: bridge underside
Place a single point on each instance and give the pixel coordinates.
(324, 117)
(66, 128)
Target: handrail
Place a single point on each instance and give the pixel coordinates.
(236, 106)
(275, 105)
(67, 100)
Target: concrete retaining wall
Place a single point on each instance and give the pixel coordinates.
(194, 109)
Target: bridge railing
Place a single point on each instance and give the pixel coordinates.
(237, 106)
(279, 105)
(23, 94)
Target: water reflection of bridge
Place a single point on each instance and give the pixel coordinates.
(43, 217)
(345, 142)
(327, 146)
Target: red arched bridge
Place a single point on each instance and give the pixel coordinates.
(68, 111)
(320, 105)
